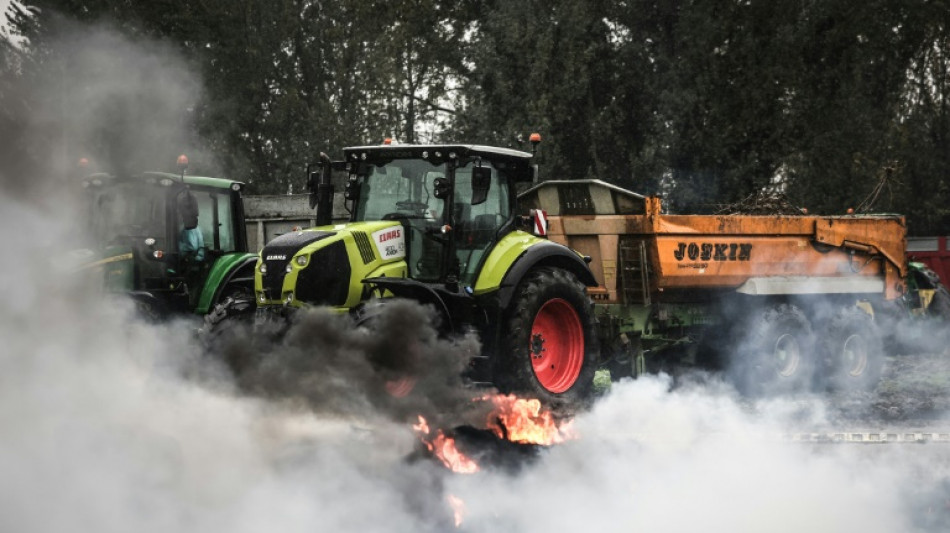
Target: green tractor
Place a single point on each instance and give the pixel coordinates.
(175, 244)
(440, 225)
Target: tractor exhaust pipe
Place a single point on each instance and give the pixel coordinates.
(321, 191)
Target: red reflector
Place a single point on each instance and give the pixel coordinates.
(540, 222)
(158, 254)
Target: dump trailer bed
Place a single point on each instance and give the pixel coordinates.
(638, 253)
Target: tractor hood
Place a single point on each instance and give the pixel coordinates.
(325, 265)
(112, 268)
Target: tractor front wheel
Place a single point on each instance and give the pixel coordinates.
(549, 339)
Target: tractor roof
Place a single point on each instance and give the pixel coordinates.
(416, 150)
(518, 163)
(157, 177)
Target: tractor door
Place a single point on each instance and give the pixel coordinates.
(405, 190)
(213, 235)
(477, 223)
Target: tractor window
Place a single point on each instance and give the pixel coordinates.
(403, 190)
(214, 219)
(477, 225)
(128, 211)
(402, 186)
(225, 222)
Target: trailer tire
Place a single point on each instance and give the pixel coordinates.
(548, 335)
(852, 348)
(775, 352)
(940, 304)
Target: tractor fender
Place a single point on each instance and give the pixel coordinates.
(415, 290)
(543, 254)
(227, 270)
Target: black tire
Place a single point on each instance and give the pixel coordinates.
(775, 352)
(150, 310)
(940, 304)
(623, 364)
(853, 351)
(549, 346)
(230, 321)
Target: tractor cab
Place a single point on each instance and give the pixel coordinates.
(453, 202)
(166, 239)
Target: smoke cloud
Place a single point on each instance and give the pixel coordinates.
(111, 424)
(91, 93)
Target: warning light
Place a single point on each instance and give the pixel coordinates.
(182, 160)
(850, 210)
(387, 141)
(83, 162)
(535, 139)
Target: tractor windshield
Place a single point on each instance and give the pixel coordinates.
(126, 210)
(404, 190)
(402, 187)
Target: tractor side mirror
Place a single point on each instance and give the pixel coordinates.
(481, 183)
(442, 188)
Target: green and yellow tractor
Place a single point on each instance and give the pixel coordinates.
(439, 224)
(175, 244)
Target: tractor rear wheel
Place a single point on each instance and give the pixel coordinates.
(853, 351)
(549, 339)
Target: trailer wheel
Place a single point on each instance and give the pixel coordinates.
(776, 352)
(940, 304)
(852, 350)
(549, 337)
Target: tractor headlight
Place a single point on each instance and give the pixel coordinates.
(302, 260)
(263, 268)
(289, 268)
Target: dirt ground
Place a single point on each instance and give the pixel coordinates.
(914, 389)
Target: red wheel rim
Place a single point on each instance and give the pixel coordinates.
(557, 345)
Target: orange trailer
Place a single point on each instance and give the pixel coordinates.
(790, 288)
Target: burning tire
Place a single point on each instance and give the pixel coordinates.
(776, 352)
(852, 349)
(548, 334)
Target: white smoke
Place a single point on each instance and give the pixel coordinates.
(104, 427)
(696, 460)
(101, 429)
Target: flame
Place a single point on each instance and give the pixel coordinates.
(422, 426)
(458, 508)
(444, 449)
(515, 419)
(521, 420)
